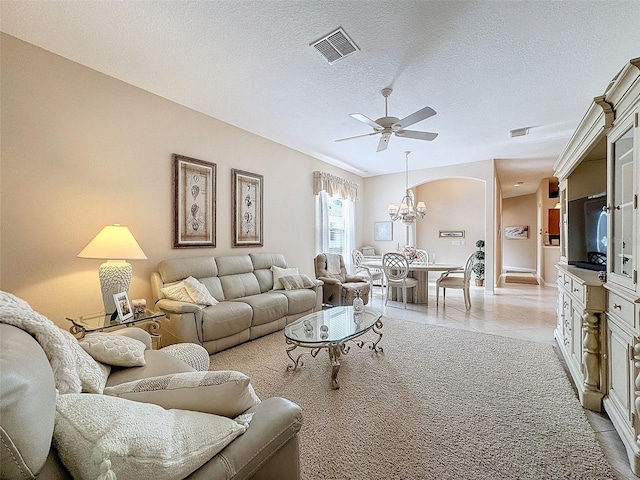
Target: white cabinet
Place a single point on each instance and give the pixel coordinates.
(602, 350)
(580, 332)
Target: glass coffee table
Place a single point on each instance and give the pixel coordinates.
(331, 329)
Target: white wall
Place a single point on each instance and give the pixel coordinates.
(520, 254)
(453, 204)
(81, 150)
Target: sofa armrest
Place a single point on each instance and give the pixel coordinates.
(356, 278)
(174, 306)
(329, 281)
(137, 334)
(275, 423)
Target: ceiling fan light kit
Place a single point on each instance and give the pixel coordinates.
(387, 125)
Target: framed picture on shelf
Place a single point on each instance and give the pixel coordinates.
(123, 306)
(383, 231)
(451, 233)
(194, 203)
(246, 208)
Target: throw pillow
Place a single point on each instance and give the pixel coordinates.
(198, 292)
(226, 392)
(116, 350)
(107, 437)
(278, 273)
(177, 291)
(93, 375)
(291, 282)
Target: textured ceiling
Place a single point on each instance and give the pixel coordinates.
(486, 67)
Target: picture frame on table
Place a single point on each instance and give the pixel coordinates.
(246, 208)
(123, 306)
(194, 202)
(383, 231)
(451, 233)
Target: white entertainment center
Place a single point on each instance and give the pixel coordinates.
(598, 328)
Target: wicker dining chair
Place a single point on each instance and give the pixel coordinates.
(396, 273)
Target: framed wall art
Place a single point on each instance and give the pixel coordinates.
(246, 204)
(520, 232)
(194, 203)
(383, 231)
(451, 233)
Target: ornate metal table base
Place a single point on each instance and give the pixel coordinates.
(335, 350)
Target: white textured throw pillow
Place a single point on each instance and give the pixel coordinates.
(98, 436)
(177, 292)
(279, 272)
(198, 292)
(93, 375)
(116, 350)
(224, 392)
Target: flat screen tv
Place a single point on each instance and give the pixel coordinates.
(588, 232)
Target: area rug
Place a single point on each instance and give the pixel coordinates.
(527, 279)
(439, 403)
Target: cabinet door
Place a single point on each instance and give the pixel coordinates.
(622, 204)
(620, 372)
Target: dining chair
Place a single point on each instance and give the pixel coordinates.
(456, 279)
(396, 270)
(374, 274)
(422, 257)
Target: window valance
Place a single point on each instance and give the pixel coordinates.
(335, 186)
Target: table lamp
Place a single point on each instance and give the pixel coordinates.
(115, 244)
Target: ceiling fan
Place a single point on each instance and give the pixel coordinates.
(387, 125)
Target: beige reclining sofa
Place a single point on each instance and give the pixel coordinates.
(30, 407)
(252, 299)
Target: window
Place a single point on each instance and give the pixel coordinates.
(335, 226)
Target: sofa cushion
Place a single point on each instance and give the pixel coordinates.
(278, 273)
(291, 282)
(239, 285)
(227, 393)
(113, 349)
(99, 435)
(27, 403)
(178, 292)
(300, 300)
(198, 292)
(225, 319)
(262, 263)
(177, 269)
(157, 363)
(266, 307)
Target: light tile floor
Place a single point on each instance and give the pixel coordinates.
(521, 311)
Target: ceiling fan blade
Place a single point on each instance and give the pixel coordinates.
(367, 120)
(384, 142)
(415, 117)
(357, 136)
(417, 135)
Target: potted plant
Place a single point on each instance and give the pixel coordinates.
(478, 265)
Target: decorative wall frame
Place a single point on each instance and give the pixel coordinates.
(123, 306)
(246, 205)
(383, 231)
(451, 233)
(520, 232)
(194, 203)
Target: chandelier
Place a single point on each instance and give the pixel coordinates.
(408, 212)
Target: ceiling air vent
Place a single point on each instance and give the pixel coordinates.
(335, 46)
(519, 132)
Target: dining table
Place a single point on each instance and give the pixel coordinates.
(419, 271)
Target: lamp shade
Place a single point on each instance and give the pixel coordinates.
(114, 242)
